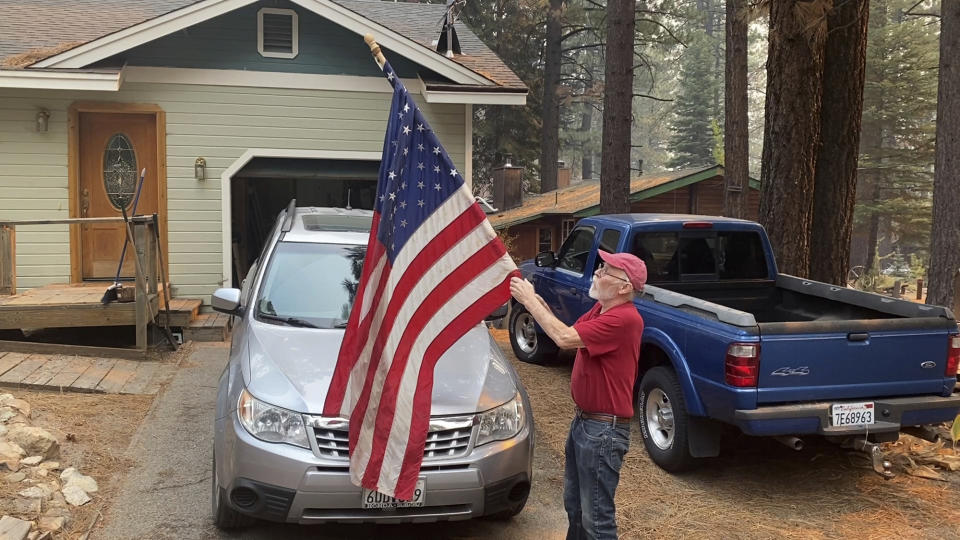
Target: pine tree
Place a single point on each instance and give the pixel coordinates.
(695, 112)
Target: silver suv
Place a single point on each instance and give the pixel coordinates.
(277, 458)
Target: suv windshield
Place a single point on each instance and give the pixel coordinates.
(311, 285)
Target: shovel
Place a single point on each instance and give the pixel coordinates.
(112, 291)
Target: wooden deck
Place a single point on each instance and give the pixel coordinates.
(81, 373)
(78, 304)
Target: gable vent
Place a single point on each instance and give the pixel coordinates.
(277, 33)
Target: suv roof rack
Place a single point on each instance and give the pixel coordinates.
(288, 219)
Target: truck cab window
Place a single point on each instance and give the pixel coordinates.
(573, 254)
(658, 251)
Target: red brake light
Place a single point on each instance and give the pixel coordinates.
(742, 364)
(953, 356)
(697, 225)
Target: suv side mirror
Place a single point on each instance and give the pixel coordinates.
(545, 258)
(497, 314)
(226, 301)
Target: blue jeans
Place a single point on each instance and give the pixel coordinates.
(595, 453)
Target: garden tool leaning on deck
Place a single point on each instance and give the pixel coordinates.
(112, 291)
(166, 286)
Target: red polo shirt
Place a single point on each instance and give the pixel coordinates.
(606, 367)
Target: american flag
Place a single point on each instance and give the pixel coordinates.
(434, 268)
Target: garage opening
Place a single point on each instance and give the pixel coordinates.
(264, 187)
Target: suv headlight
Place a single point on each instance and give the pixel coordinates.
(269, 423)
(502, 422)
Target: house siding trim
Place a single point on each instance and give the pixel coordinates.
(118, 42)
(68, 80)
(227, 177)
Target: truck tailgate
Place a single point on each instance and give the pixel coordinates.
(851, 364)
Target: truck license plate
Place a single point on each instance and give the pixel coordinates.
(375, 499)
(852, 414)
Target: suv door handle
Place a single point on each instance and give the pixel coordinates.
(862, 336)
(574, 290)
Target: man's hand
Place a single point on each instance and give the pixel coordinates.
(522, 291)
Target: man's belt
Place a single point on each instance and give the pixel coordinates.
(621, 421)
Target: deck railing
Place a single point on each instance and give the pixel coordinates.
(144, 248)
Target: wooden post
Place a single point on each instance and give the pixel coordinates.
(956, 294)
(919, 288)
(139, 242)
(8, 260)
(897, 287)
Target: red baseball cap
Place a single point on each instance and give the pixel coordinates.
(634, 267)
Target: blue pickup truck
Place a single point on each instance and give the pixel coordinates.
(730, 341)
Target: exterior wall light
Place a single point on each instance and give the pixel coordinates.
(43, 117)
(200, 169)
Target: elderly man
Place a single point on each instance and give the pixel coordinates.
(607, 339)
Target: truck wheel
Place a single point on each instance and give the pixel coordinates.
(224, 517)
(664, 420)
(529, 345)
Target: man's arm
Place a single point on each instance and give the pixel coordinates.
(566, 337)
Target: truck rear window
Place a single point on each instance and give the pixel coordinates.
(700, 256)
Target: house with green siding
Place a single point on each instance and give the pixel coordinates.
(233, 107)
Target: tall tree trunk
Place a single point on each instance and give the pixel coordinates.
(550, 138)
(835, 180)
(945, 237)
(617, 108)
(873, 233)
(586, 150)
(736, 139)
(792, 129)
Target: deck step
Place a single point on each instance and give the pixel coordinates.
(208, 327)
(183, 311)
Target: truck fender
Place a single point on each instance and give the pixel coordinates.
(654, 336)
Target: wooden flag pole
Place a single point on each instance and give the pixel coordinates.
(375, 50)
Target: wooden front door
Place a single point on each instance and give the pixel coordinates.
(113, 148)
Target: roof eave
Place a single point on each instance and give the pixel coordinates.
(98, 81)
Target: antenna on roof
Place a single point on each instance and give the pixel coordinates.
(348, 200)
(448, 34)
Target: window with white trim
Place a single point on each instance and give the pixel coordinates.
(545, 239)
(278, 33)
(566, 226)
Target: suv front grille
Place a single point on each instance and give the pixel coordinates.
(447, 438)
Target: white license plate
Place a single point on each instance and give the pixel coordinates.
(375, 499)
(853, 414)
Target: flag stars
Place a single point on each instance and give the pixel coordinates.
(403, 204)
(405, 151)
(436, 150)
(436, 187)
(403, 223)
(389, 75)
(420, 204)
(436, 168)
(419, 185)
(406, 130)
(420, 165)
(392, 175)
(393, 196)
(420, 127)
(403, 185)
(453, 172)
(406, 107)
(420, 147)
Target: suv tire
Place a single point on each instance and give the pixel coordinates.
(664, 420)
(528, 344)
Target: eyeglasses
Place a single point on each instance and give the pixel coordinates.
(603, 271)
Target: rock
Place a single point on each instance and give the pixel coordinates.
(6, 413)
(40, 535)
(26, 507)
(75, 496)
(50, 465)
(19, 405)
(52, 524)
(39, 473)
(34, 440)
(57, 502)
(16, 477)
(11, 450)
(71, 477)
(3, 430)
(12, 528)
(39, 491)
(31, 461)
(4, 398)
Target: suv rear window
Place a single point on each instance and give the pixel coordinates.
(700, 256)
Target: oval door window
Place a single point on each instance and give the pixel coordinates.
(120, 170)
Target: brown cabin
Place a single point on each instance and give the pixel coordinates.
(540, 222)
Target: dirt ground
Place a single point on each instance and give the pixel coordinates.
(94, 431)
(757, 488)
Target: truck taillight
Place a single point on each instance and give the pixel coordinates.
(953, 356)
(742, 365)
